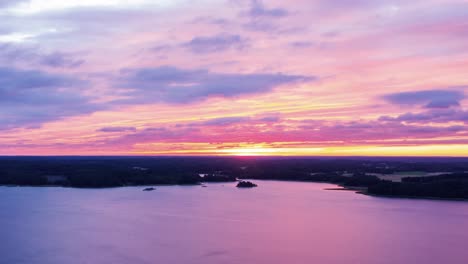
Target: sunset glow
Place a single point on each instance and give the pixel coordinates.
(242, 78)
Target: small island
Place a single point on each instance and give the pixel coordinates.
(246, 184)
(149, 189)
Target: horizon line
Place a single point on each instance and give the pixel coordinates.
(235, 156)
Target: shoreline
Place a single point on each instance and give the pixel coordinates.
(415, 197)
(357, 190)
(363, 191)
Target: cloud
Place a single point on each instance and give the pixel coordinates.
(258, 9)
(149, 135)
(321, 133)
(262, 26)
(59, 60)
(270, 119)
(117, 129)
(29, 55)
(173, 85)
(302, 44)
(428, 98)
(8, 3)
(161, 48)
(443, 103)
(223, 121)
(263, 19)
(232, 120)
(264, 119)
(434, 116)
(210, 20)
(14, 81)
(216, 43)
(31, 98)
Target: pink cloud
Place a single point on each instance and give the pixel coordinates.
(264, 73)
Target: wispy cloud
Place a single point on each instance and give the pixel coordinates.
(93, 74)
(30, 98)
(117, 129)
(216, 43)
(33, 55)
(432, 116)
(173, 85)
(258, 9)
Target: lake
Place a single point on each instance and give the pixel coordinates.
(278, 222)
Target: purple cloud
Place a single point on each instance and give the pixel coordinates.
(173, 85)
(216, 43)
(428, 98)
(264, 19)
(443, 103)
(302, 44)
(322, 133)
(223, 121)
(258, 9)
(270, 119)
(14, 81)
(60, 60)
(210, 20)
(161, 48)
(117, 129)
(7, 3)
(434, 116)
(30, 98)
(16, 53)
(232, 120)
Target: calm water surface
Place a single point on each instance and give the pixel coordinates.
(278, 222)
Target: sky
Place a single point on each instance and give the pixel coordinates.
(234, 77)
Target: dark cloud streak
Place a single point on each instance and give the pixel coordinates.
(33, 55)
(30, 98)
(117, 129)
(428, 98)
(176, 86)
(258, 9)
(216, 43)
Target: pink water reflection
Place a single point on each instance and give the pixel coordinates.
(278, 222)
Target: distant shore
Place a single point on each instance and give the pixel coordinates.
(363, 190)
(414, 178)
